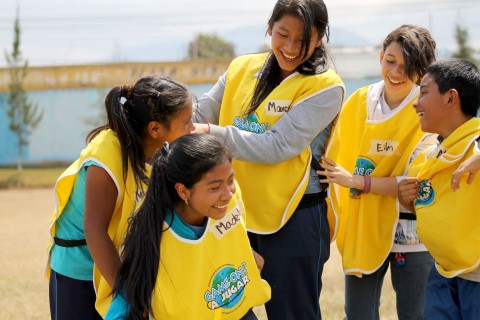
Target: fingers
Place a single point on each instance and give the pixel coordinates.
(408, 188)
(259, 261)
(470, 178)
(455, 182)
(328, 161)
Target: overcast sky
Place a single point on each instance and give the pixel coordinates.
(91, 31)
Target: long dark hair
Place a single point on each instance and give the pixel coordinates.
(314, 14)
(186, 161)
(130, 108)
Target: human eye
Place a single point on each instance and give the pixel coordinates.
(215, 187)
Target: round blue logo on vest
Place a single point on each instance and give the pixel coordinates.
(426, 194)
(227, 287)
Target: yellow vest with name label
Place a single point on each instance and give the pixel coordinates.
(214, 277)
(379, 148)
(271, 192)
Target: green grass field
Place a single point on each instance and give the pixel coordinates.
(30, 177)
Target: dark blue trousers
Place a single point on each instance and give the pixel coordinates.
(71, 299)
(294, 258)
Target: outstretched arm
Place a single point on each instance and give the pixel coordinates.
(290, 134)
(470, 166)
(335, 173)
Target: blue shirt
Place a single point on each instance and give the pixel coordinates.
(73, 262)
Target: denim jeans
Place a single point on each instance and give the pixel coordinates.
(362, 295)
(451, 298)
(294, 258)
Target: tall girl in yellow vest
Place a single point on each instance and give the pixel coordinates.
(97, 193)
(187, 254)
(276, 110)
(376, 137)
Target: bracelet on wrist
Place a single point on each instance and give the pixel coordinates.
(368, 184)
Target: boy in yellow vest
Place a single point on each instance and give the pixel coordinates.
(448, 223)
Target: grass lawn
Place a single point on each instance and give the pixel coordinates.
(30, 177)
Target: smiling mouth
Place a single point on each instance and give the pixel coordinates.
(420, 114)
(221, 207)
(289, 58)
(394, 81)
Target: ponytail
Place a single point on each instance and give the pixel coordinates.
(140, 256)
(130, 108)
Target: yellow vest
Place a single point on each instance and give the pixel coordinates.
(105, 150)
(381, 148)
(214, 277)
(271, 192)
(449, 222)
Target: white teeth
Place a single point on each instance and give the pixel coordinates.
(289, 57)
(420, 114)
(221, 207)
(395, 82)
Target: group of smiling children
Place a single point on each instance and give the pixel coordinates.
(150, 221)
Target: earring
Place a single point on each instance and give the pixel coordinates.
(186, 202)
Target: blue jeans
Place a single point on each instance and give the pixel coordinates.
(451, 298)
(294, 258)
(362, 295)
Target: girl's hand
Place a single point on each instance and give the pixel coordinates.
(470, 166)
(335, 173)
(201, 128)
(258, 260)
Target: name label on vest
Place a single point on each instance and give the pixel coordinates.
(383, 147)
(221, 227)
(277, 107)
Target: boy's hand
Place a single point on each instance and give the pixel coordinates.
(408, 192)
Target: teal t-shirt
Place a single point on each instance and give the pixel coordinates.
(73, 262)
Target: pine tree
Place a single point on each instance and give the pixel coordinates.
(464, 50)
(208, 46)
(24, 115)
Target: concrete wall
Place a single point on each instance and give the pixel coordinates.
(110, 75)
(71, 97)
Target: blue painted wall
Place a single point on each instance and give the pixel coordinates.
(60, 136)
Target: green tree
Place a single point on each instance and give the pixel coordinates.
(24, 115)
(98, 115)
(210, 46)
(464, 50)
